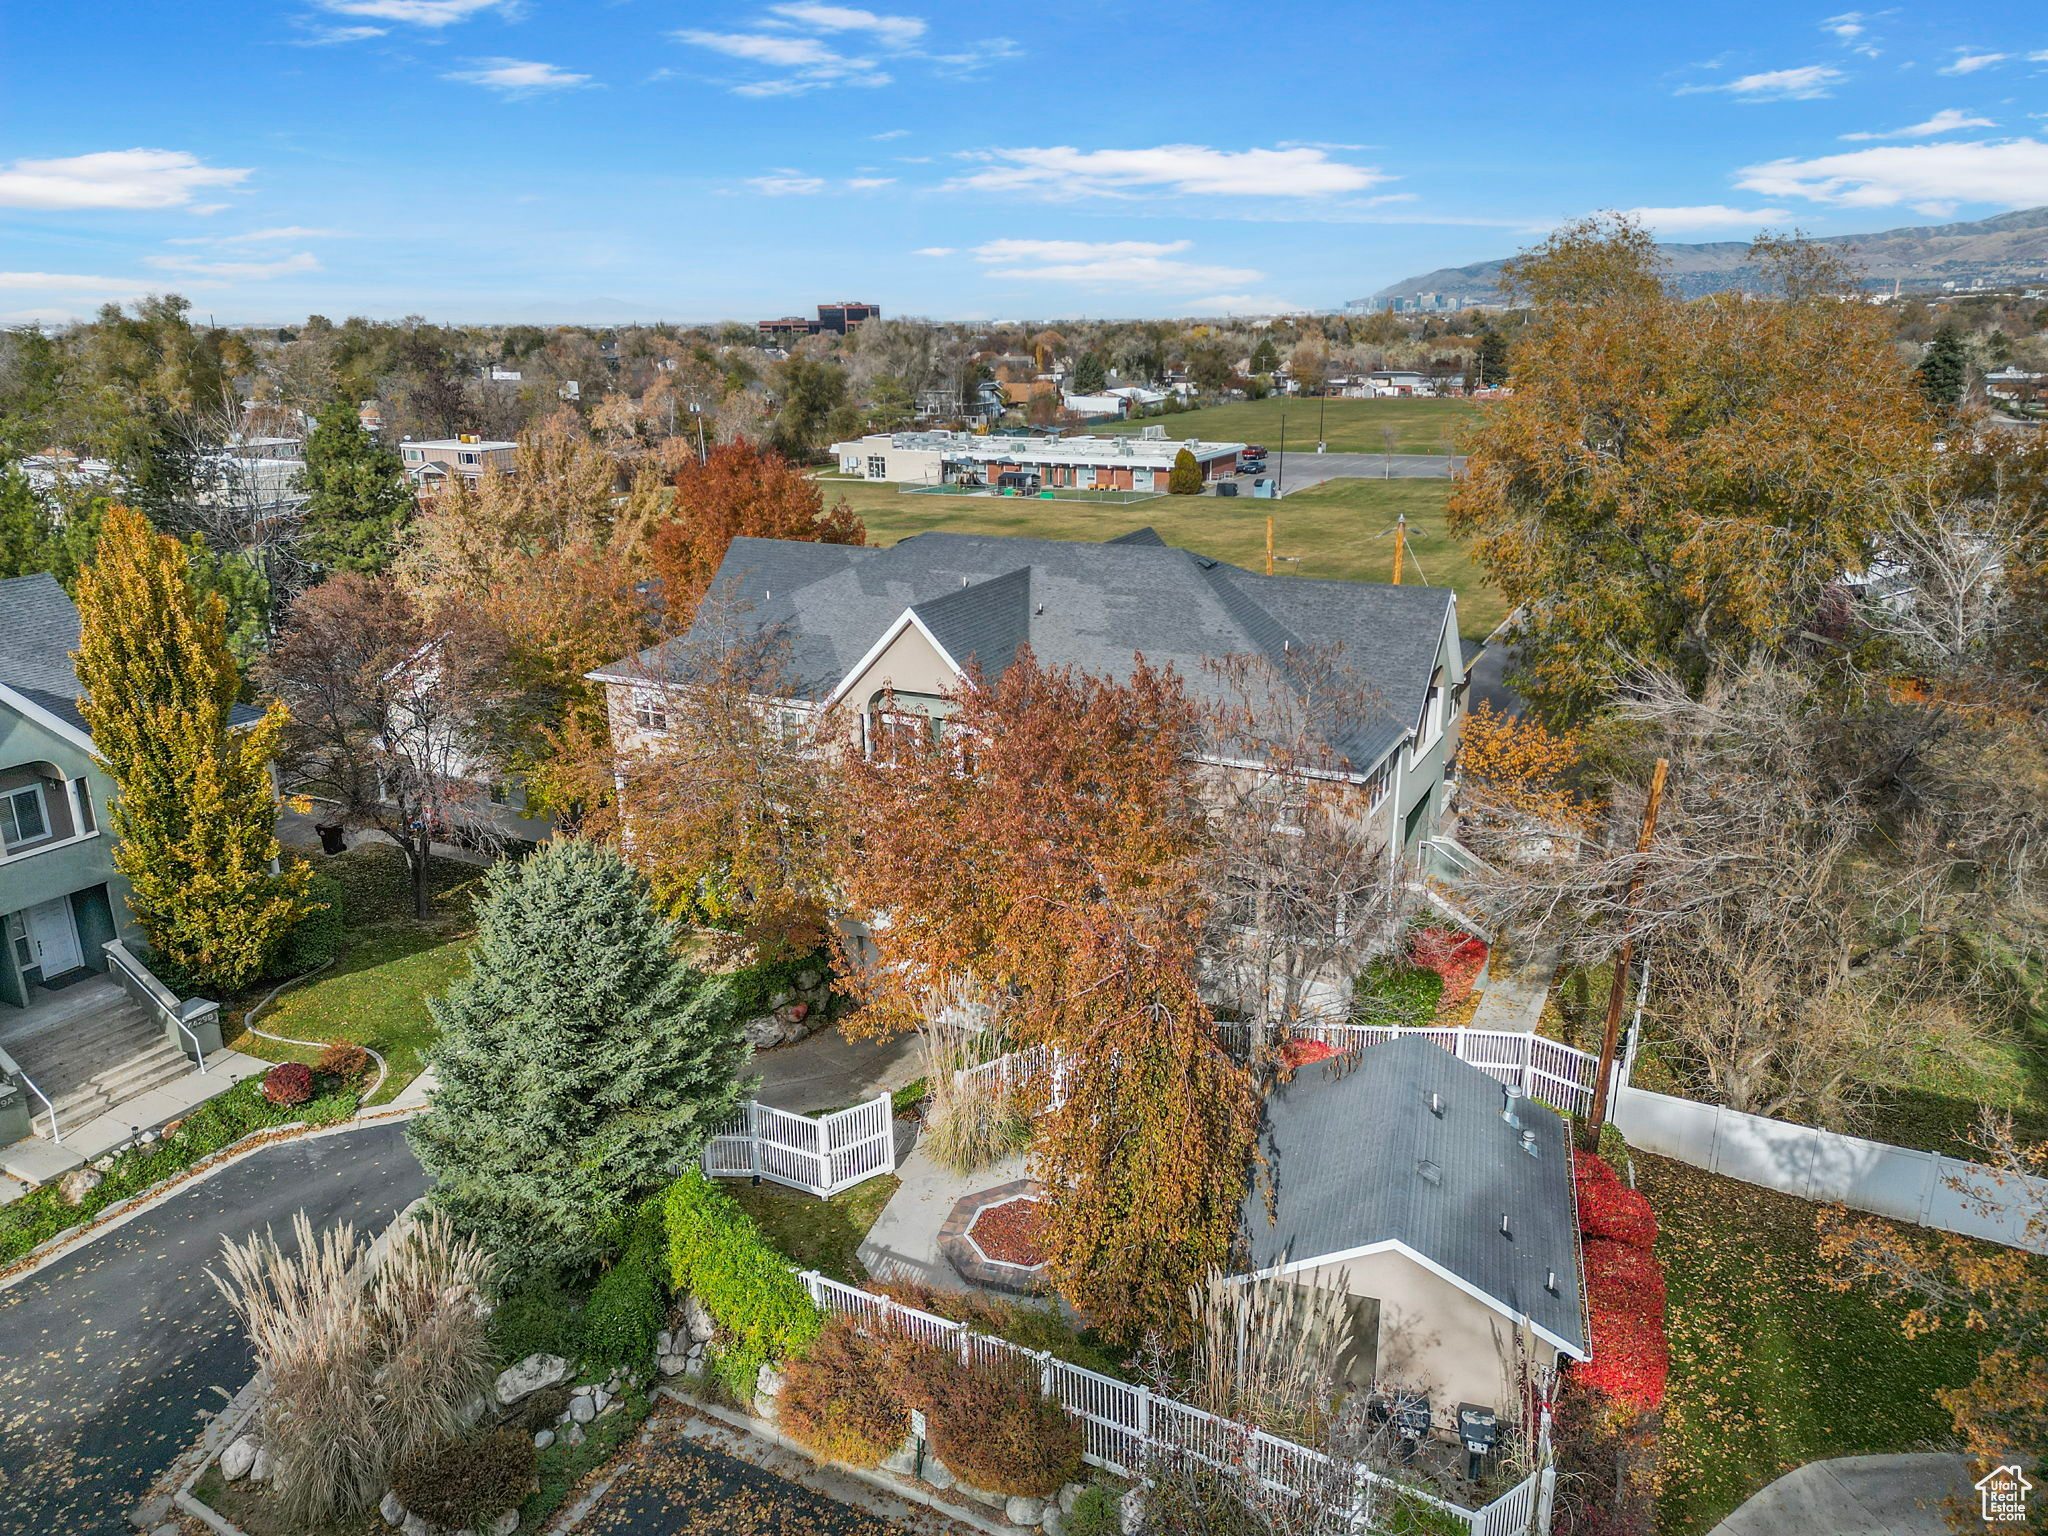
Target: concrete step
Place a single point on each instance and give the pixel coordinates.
(156, 1064)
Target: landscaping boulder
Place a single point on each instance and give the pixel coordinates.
(764, 1032)
(602, 1398)
(77, 1184)
(981, 1495)
(415, 1526)
(1130, 1512)
(573, 1435)
(581, 1409)
(808, 981)
(392, 1511)
(903, 1460)
(1022, 1511)
(673, 1365)
(263, 1468)
(473, 1410)
(697, 1319)
(938, 1474)
(506, 1523)
(1070, 1495)
(238, 1458)
(767, 1382)
(529, 1376)
(1054, 1523)
(543, 1438)
(665, 1342)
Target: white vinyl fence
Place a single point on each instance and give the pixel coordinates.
(1925, 1188)
(1125, 1426)
(820, 1154)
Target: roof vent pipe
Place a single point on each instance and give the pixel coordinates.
(1550, 1281)
(1529, 1142)
(1436, 1104)
(1505, 1230)
(1509, 1094)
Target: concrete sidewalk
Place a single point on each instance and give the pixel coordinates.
(1856, 1496)
(1514, 1002)
(829, 1071)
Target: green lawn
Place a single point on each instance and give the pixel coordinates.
(1770, 1367)
(814, 1233)
(1348, 426)
(1342, 528)
(375, 994)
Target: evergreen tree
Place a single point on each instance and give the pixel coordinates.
(357, 498)
(24, 526)
(1265, 356)
(239, 581)
(580, 1060)
(1186, 477)
(195, 819)
(1091, 377)
(1944, 370)
(1492, 361)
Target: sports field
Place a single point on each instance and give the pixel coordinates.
(1344, 528)
(1348, 426)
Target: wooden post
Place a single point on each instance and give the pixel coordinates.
(1589, 1130)
(1269, 543)
(1400, 545)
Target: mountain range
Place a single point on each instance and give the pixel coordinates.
(2011, 248)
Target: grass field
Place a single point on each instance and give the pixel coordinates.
(1341, 528)
(1348, 426)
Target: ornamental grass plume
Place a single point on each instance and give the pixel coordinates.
(1263, 1349)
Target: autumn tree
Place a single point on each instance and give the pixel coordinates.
(195, 819)
(1675, 483)
(1185, 478)
(390, 703)
(738, 491)
(357, 498)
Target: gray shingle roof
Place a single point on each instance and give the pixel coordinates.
(1090, 606)
(38, 633)
(1360, 1158)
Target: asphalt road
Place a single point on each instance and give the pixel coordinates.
(109, 1357)
(1306, 469)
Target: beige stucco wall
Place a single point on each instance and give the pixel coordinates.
(1434, 1337)
(911, 664)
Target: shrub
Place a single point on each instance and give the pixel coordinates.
(627, 1308)
(468, 1483)
(331, 1108)
(717, 1254)
(344, 1059)
(1624, 1264)
(319, 934)
(536, 1319)
(1456, 957)
(1625, 1290)
(539, 1410)
(1097, 1512)
(288, 1083)
(1394, 991)
(988, 1423)
(1613, 1210)
(839, 1399)
(1185, 478)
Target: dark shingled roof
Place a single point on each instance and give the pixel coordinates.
(1089, 606)
(1348, 1153)
(38, 633)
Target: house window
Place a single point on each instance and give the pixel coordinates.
(81, 796)
(500, 792)
(903, 717)
(1376, 787)
(23, 817)
(650, 714)
(878, 467)
(412, 455)
(470, 458)
(1432, 725)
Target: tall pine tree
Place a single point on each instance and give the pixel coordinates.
(580, 1060)
(196, 816)
(357, 498)
(1944, 370)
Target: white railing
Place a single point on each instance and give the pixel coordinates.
(11, 1069)
(1543, 1069)
(820, 1154)
(1125, 1426)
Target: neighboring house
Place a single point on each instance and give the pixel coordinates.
(1441, 1203)
(2013, 382)
(429, 463)
(87, 1040)
(1123, 463)
(838, 319)
(899, 628)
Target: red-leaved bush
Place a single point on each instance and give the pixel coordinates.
(1619, 1213)
(1625, 1291)
(1457, 957)
(1625, 1264)
(1299, 1053)
(288, 1083)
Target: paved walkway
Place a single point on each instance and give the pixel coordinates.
(829, 1071)
(1514, 1002)
(109, 1357)
(903, 1244)
(1856, 1496)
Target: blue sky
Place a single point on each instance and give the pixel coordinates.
(547, 160)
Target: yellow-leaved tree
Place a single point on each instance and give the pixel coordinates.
(195, 818)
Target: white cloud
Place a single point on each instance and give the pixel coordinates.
(114, 178)
(1192, 169)
(893, 133)
(2012, 173)
(1679, 221)
(869, 183)
(1107, 263)
(1850, 29)
(895, 31)
(77, 282)
(814, 65)
(1936, 210)
(419, 13)
(262, 236)
(302, 262)
(786, 183)
(1967, 63)
(519, 77)
(1802, 84)
(934, 250)
(327, 37)
(1947, 120)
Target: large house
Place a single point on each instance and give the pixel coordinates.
(904, 625)
(1440, 1203)
(84, 1028)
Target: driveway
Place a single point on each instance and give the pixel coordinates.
(109, 1357)
(1299, 471)
(1856, 1496)
(830, 1071)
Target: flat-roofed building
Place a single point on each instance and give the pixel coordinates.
(1124, 463)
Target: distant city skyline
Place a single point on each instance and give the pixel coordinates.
(531, 160)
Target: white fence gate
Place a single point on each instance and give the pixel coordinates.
(819, 1154)
(1123, 1426)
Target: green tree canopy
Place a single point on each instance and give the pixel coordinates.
(1091, 375)
(1944, 369)
(580, 1060)
(1185, 478)
(357, 498)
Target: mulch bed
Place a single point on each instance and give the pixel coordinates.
(1009, 1233)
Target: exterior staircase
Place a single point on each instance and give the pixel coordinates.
(97, 1063)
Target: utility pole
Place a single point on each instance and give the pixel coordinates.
(1400, 545)
(1280, 479)
(1589, 1128)
(1269, 543)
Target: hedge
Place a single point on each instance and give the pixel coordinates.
(629, 1303)
(717, 1254)
(1625, 1290)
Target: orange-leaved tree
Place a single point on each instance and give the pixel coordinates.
(738, 491)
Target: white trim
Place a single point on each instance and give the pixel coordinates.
(41, 716)
(889, 637)
(1395, 1245)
